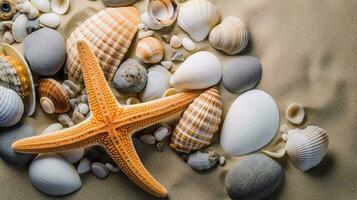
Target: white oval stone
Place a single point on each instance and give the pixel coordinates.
(51, 20)
(188, 44)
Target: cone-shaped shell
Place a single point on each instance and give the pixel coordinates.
(52, 94)
(306, 148)
(231, 36)
(11, 107)
(198, 123)
(150, 50)
(109, 33)
(197, 18)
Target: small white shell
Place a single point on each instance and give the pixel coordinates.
(201, 161)
(145, 18)
(42, 5)
(47, 105)
(51, 20)
(99, 170)
(188, 44)
(60, 6)
(28, 8)
(84, 166)
(175, 42)
(11, 107)
(19, 31)
(167, 64)
(64, 119)
(295, 113)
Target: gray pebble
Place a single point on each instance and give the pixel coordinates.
(99, 170)
(201, 161)
(84, 166)
(131, 77)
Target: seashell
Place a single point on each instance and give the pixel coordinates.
(42, 5)
(52, 128)
(144, 34)
(84, 166)
(116, 27)
(197, 18)
(77, 117)
(29, 9)
(52, 175)
(8, 38)
(200, 70)
(19, 31)
(295, 113)
(188, 44)
(306, 148)
(65, 119)
(53, 97)
(146, 19)
(201, 161)
(251, 122)
(74, 87)
(167, 64)
(16, 75)
(11, 106)
(199, 123)
(83, 108)
(150, 50)
(177, 56)
(116, 3)
(222, 160)
(32, 25)
(60, 6)
(163, 12)
(132, 101)
(99, 170)
(111, 167)
(147, 139)
(170, 91)
(157, 83)
(73, 156)
(175, 42)
(6, 25)
(51, 20)
(142, 27)
(7, 9)
(162, 132)
(166, 38)
(230, 36)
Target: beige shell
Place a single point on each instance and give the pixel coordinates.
(115, 27)
(60, 6)
(230, 36)
(150, 50)
(295, 113)
(198, 123)
(163, 12)
(53, 97)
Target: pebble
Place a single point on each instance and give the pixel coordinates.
(74, 87)
(32, 25)
(83, 108)
(165, 38)
(147, 139)
(222, 160)
(144, 34)
(65, 119)
(111, 167)
(99, 170)
(84, 166)
(73, 156)
(52, 128)
(70, 93)
(161, 133)
(167, 64)
(201, 161)
(74, 103)
(51, 20)
(8, 38)
(84, 99)
(175, 42)
(132, 101)
(160, 146)
(177, 56)
(188, 44)
(77, 117)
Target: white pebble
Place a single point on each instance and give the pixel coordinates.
(144, 34)
(74, 87)
(73, 156)
(167, 64)
(161, 133)
(175, 42)
(51, 20)
(111, 167)
(188, 44)
(222, 160)
(64, 119)
(83, 166)
(147, 139)
(99, 170)
(83, 108)
(52, 128)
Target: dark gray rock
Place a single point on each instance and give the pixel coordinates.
(241, 74)
(131, 77)
(45, 51)
(9, 136)
(116, 3)
(253, 177)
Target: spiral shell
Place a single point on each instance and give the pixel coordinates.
(150, 50)
(11, 107)
(53, 96)
(198, 123)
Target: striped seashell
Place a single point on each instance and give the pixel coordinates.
(109, 33)
(150, 50)
(198, 123)
(11, 107)
(53, 96)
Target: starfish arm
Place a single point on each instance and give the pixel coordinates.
(101, 100)
(121, 149)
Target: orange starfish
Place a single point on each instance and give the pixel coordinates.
(110, 124)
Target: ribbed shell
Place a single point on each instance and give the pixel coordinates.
(198, 123)
(11, 107)
(53, 90)
(150, 50)
(231, 36)
(306, 148)
(109, 33)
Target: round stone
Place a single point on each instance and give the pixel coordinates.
(131, 77)
(241, 74)
(45, 51)
(253, 177)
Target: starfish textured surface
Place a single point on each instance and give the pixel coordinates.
(110, 124)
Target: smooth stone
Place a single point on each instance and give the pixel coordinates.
(241, 74)
(77, 117)
(188, 44)
(83, 108)
(222, 160)
(73, 156)
(253, 177)
(84, 166)
(52, 128)
(74, 87)
(64, 119)
(45, 51)
(10, 135)
(99, 170)
(201, 161)
(161, 133)
(111, 167)
(117, 3)
(175, 42)
(131, 77)
(160, 146)
(147, 139)
(51, 20)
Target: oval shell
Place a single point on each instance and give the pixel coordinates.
(150, 50)
(295, 113)
(19, 28)
(42, 5)
(51, 20)
(7, 9)
(60, 6)
(54, 92)
(163, 12)
(198, 123)
(11, 107)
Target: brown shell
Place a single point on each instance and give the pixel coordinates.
(9, 12)
(53, 90)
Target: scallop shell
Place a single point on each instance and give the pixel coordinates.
(200, 70)
(60, 6)
(251, 123)
(42, 5)
(163, 12)
(306, 148)
(11, 107)
(7, 9)
(197, 18)
(19, 28)
(53, 97)
(295, 113)
(150, 50)
(231, 36)
(198, 123)
(115, 27)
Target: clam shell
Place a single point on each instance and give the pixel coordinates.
(115, 27)
(295, 113)
(200, 70)
(42, 5)
(54, 92)
(11, 107)
(197, 18)
(19, 30)
(306, 148)
(231, 36)
(53, 175)
(163, 12)
(199, 123)
(7, 9)
(51, 20)
(60, 6)
(150, 50)
(251, 122)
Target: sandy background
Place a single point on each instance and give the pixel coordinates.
(309, 54)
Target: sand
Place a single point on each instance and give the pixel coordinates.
(309, 55)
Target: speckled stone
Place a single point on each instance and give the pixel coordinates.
(131, 77)
(241, 74)
(253, 177)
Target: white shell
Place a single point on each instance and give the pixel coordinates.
(157, 83)
(145, 18)
(8, 38)
(197, 18)
(84, 166)
(73, 156)
(175, 42)
(231, 36)
(200, 70)
(188, 44)
(42, 5)
(251, 123)
(19, 31)
(306, 148)
(51, 20)
(60, 6)
(28, 8)
(11, 107)
(52, 175)
(295, 113)
(163, 12)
